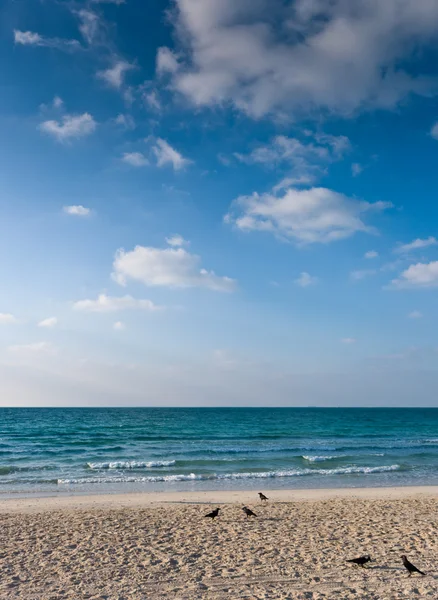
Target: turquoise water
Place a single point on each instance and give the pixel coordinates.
(134, 449)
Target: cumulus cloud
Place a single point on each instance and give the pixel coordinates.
(417, 244)
(7, 319)
(166, 155)
(31, 38)
(135, 159)
(371, 254)
(305, 280)
(315, 215)
(70, 127)
(105, 304)
(115, 75)
(77, 210)
(48, 323)
(171, 267)
(266, 56)
(421, 275)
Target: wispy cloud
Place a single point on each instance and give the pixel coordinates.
(135, 159)
(362, 274)
(115, 75)
(108, 304)
(415, 314)
(348, 340)
(177, 240)
(417, 244)
(49, 323)
(371, 254)
(167, 155)
(7, 319)
(77, 210)
(31, 38)
(356, 169)
(34, 348)
(306, 280)
(70, 127)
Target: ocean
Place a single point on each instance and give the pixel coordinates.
(105, 450)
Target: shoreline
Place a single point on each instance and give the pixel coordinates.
(134, 500)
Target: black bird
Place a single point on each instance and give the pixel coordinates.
(248, 512)
(213, 514)
(410, 567)
(263, 497)
(361, 561)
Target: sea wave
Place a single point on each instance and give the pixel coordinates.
(321, 458)
(224, 476)
(131, 464)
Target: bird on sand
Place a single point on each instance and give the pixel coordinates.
(361, 561)
(248, 512)
(213, 514)
(410, 567)
(263, 497)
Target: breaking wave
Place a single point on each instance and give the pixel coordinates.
(131, 464)
(214, 476)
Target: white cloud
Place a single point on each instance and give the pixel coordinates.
(135, 159)
(421, 275)
(106, 304)
(415, 314)
(152, 100)
(166, 61)
(49, 323)
(177, 240)
(31, 38)
(306, 160)
(89, 25)
(434, 131)
(35, 348)
(77, 210)
(119, 326)
(7, 319)
(125, 121)
(267, 56)
(362, 274)
(166, 155)
(115, 75)
(305, 280)
(315, 215)
(348, 340)
(57, 102)
(371, 254)
(171, 267)
(109, 1)
(356, 169)
(416, 245)
(70, 127)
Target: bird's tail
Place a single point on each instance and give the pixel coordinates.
(421, 573)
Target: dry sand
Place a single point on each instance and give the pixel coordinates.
(160, 546)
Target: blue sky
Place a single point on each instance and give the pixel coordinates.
(219, 203)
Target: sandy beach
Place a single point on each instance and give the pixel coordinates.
(160, 545)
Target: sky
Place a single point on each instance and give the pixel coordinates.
(219, 203)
